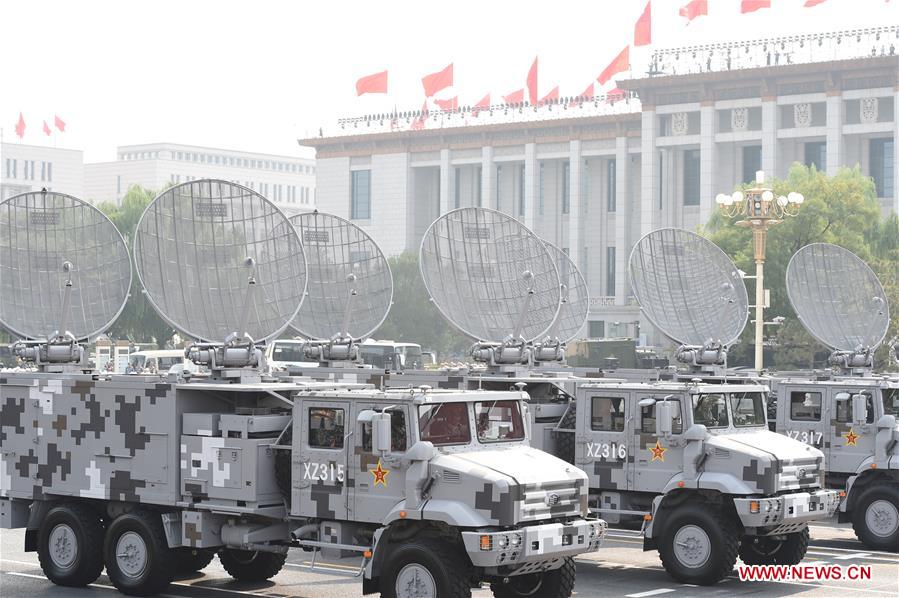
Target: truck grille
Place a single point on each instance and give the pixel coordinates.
(799, 473)
(555, 499)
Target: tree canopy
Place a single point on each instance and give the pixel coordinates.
(843, 210)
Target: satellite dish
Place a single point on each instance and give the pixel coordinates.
(688, 288)
(196, 248)
(46, 240)
(489, 275)
(575, 297)
(837, 297)
(350, 287)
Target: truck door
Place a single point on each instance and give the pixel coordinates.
(657, 459)
(850, 444)
(800, 415)
(602, 449)
(380, 481)
(323, 465)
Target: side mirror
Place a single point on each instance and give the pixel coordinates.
(381, 433)
(664, 418)
(886, 422)
(841, 396)
(859, 409)
(696, 432)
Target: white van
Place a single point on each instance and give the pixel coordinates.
(282, 353)
(391, 355)
(158, 362)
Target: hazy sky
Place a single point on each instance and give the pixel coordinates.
(256, 75)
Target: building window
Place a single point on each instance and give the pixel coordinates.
(585, 187)
(457, 188)
(479, 188)
(610, 271)
(50, 171)
(361, 195)
(43, 170)
(10, 168)
(882, 152)
(596, 329)
(611, 185)
(816, 155)
(661, 180)
(541, 190)
(691, 177)
(499, 185)
(521, 190)
(566, 187)
(752, 162)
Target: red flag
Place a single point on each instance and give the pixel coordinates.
(695, 8)
(587, 93)
(450, 104)
(552, 95)
(47, 130)
(437, 81)
(60, 124)
(20, 126)
(516, 97)
(753, 5)
(620, 64)
(643, 28)
(811, 3)
(419, 123)
(376, 83)
(532, 83)
(615, 95)
(484, 104)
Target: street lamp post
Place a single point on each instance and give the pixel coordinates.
(761, 210)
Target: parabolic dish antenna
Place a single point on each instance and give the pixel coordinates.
(47, 239)
(688, 288)
(575, 298)
(196, 247)
(837, 297)
(350, 287)
(489, 275)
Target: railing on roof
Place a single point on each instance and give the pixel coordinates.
(619, 102)
(775, 51)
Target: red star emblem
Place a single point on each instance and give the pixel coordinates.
(380, 475)
(658, 452)
(851, 438)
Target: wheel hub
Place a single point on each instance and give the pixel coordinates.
(882, 518)
(131, 554)
(63, 546)
(692, 546)
(415, 581)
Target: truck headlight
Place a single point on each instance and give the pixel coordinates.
(502, 541)
(515, 540)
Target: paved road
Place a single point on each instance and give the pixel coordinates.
(621, 568)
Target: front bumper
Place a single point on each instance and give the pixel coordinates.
(534, 544)
(788, 512)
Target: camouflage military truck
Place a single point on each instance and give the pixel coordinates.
(854, 422)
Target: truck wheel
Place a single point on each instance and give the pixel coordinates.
(425, 568)
(698, 544)
(875, 517)
(189, 560)
(761, 550)
(558, 583)
(251, 565)
(69, 543)
(139, 561)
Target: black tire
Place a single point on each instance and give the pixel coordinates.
(75, 559)
(558, 583)
(722, 550)
(760, 550)
(565, 442)
(190, 560)
(250, 565)
(284, 466)
(149, 564)
(886, 494)
(448, 568)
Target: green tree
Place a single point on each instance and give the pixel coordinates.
(413, 318)
(843, 210)
(138, 322)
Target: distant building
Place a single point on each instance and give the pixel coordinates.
(286, 180)
(593, 175)
(33, 167)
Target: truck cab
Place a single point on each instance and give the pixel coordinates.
(697, 465)
(852, 420)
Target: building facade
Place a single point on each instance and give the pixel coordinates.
(32, 168)
(288, 181)
(593, 184)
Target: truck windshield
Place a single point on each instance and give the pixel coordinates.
(444, 423)
(891, 401)
(499, 421)
(379, 357)
(412, 358)
(710, 410)
(748, 409)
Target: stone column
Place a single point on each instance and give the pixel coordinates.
(530, 185)
(446, 182)
(649, 184)
(488, 178)
(706, 160)
(622, 219)
(575, 162)
(769, 136)
(834, 131)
